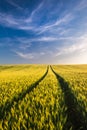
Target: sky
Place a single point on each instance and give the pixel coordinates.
(43, 31)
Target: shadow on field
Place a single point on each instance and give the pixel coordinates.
(74, 111)
(4, 109)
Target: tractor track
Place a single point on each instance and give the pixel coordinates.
(74, 112)
(8, 105)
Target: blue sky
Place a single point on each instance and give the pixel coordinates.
(43, 31)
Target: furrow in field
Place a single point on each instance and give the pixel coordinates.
(17, 79)
(41, 109)
(7, 107)
(74, 112)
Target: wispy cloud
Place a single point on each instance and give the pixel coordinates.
(27, 23)
(16, 43)
(82, 4)
(45, 30)
(30, 18)
(33, 55)
(67, 53)
(9, 21)
(25, 55)
(25, 46)
(24, 22)
(36, 39)
(74, 46)
(43, 39)
(14, 4)
(24, 43)
(78, 46)
(61, 21)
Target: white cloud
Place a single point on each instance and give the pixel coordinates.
(18, 43)
(46, 39)
(25, 55)
(18, 23)
(64, 31)
(78, 46)
(31, 56)
(37, 39)
(29, 19)
(14, 4)
(59, 22)
(66, 19)
(42, 53)
(74, 49)
(24, 22)
(25, 46)
(81, 5)
(8, 20)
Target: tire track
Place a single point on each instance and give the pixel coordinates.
(7, 107)
(74, 111)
